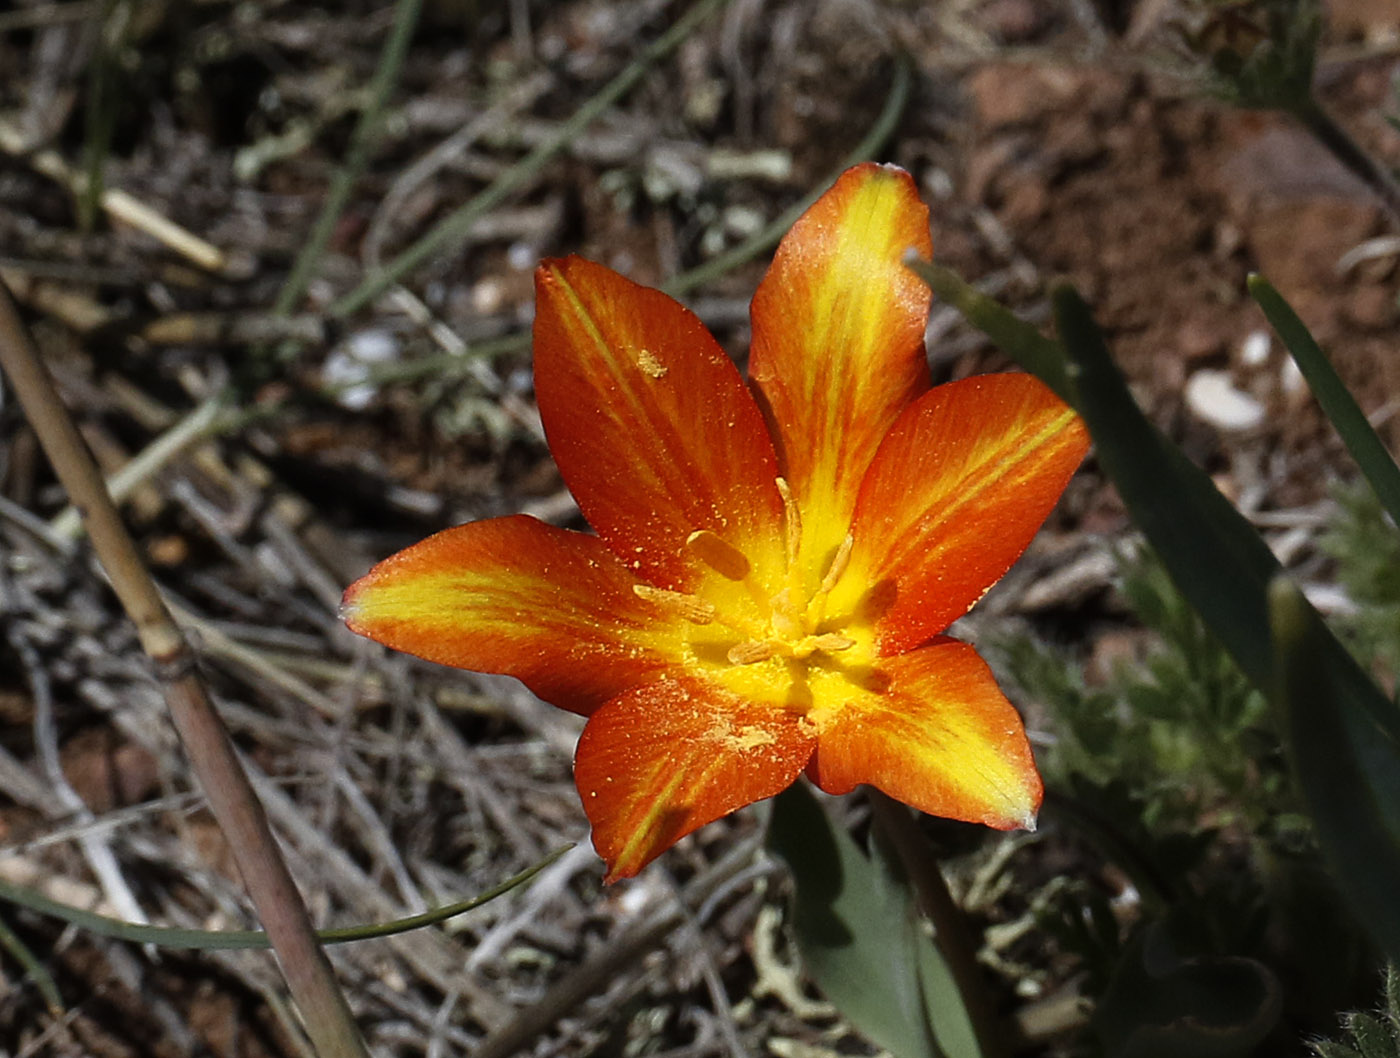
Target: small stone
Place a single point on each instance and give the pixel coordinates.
(347, 368)
(1213, 398)
(1254, 350)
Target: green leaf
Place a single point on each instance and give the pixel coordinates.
(1041, 356)
(1373, 1038)
(1332, 395)
(1348, 766)
(1368, 1035)
(861, 942)
(1330, 1049)
(178, 939)
(1215, 557)
(1344, 733)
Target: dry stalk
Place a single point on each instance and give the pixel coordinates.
(119, 205)
(240, 815)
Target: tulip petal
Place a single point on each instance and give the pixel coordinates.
(956, 492)
(940, 737)
(651, 424)
(552, 607)
(838, 350)
(664, 759)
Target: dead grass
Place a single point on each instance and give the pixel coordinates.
(265, 460)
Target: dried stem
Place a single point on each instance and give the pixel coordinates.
(231, 798)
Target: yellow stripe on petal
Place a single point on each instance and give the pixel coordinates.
(940, 736)
(955, 494)
(665, 759)
(838, 326)
(554, 608)
(651, 425)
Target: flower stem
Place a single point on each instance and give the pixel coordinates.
(212, 757)
(951, 931)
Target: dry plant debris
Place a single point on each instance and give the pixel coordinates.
(265, 459)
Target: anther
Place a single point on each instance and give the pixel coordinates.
(725, 559)
(839, 562)
(752, 652)
(686, 607)
(827, 642)
(792, 522)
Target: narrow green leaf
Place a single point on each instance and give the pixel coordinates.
(1343, 732)
(33, 969)
(1215, 557)
(1041, 356)
(1348, 766)
(947, 1014)
(860, 938)
(177, 939)
(1333, 397)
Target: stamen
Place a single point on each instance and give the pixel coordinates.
(677, 604)
(828, 642)
(792, 522)
(752, 652)
(725, 559)
(839, 562)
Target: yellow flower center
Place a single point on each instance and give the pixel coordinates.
(757, 640)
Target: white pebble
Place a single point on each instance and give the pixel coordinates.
(349, 363)
(1255, 348)
(1212, 397)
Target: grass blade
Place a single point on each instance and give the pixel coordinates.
(1343, 733)
(1347, 767)
(1041, 356)
(176, 939)
(1332, 395)
(854, 928)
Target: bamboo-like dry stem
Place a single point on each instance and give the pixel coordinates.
(240, 815)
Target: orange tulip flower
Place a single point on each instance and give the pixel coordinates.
(774, 562)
